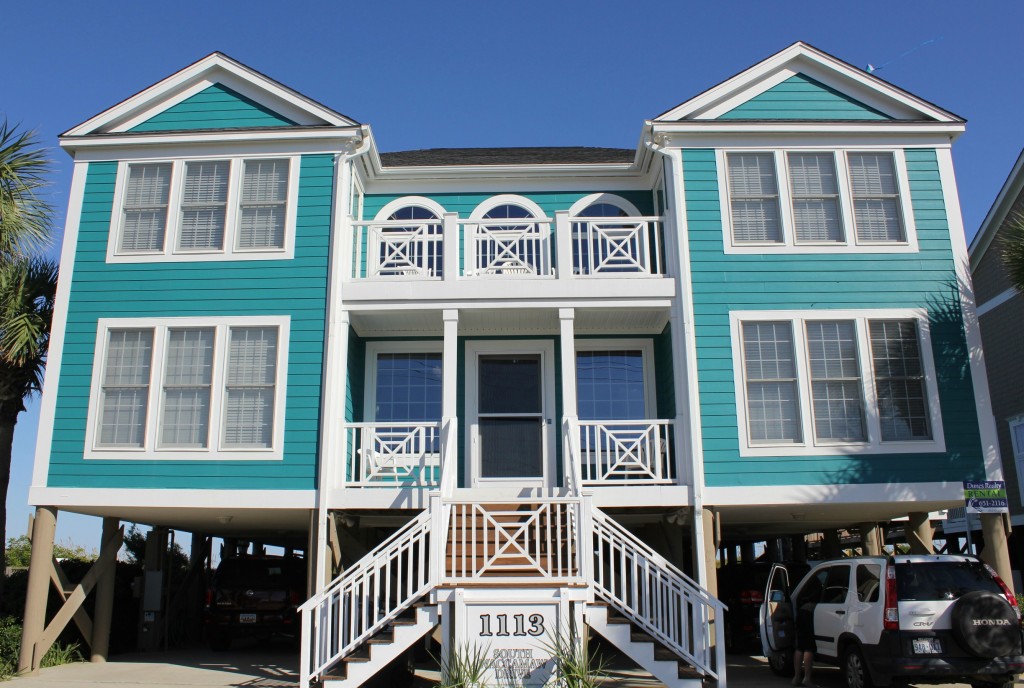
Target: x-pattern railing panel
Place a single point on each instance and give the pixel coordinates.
(626, 451)
(616, 245)
(393, 454)
(512, 247)
(396, 248)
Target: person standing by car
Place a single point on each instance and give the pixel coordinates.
(803, 655)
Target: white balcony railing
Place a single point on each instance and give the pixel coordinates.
(520, 247)
(616, 452)
(393, 454)
(618, 246)
(398, 248)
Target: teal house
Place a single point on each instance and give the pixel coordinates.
(496, 393)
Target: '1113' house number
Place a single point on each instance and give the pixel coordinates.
(532, 625)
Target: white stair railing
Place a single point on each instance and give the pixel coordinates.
(656, 596)
(366, 598)
(614, 452)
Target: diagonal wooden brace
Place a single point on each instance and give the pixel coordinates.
(73, 601)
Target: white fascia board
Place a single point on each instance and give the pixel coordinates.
(815, 140)
(997, 214)
(868, 493)
(160, 498)
(865, 87)
(949, 130)
(73, 144)
(531, 172)
(288, 103)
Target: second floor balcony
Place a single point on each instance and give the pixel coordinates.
(451, 248)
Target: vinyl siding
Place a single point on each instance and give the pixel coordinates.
(296, 288)
(801, 97)
(216, 107)
(724, 283)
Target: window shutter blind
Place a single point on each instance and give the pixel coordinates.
(125, 388)
(754, 196)
(815, 191)
(145, 207)
(187, 379)
(899, 380)
(837, 401)
(203, 205)
(251, 377)
(772, 403)
(875, 197)
(263, 204)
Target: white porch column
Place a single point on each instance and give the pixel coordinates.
(450, 365)
(451, 259)
(566, 320)
(563, 246)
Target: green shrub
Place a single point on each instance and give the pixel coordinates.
(10, 642)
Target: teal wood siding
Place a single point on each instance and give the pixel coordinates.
(296, 288)
(801, 97)
(355, 381)
(664, 374)
(216, 107)
(724, 283)
(464, 204)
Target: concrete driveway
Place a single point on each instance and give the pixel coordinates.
(276, 666)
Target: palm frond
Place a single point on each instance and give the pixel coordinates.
(25, 217)
(28, 288)
(1011, 244)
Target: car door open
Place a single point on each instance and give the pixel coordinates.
(776, 614)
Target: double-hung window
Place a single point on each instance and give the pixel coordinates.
(205, 209)
(813, 201)
(189, 388)
(828, 382)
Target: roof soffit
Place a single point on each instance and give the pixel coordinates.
(215, 68)
(801, 58)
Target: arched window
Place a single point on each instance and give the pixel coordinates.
(505, 247)
(407, 239)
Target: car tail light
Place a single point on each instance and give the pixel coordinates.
(1010, 597)
(891, 617)
(209, 597)
(751, 597)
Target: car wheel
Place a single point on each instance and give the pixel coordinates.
(986, 625)
(855, 669)
(781, 663)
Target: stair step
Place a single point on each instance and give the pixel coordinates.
(360, 655)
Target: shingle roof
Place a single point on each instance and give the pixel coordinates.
(565, 155)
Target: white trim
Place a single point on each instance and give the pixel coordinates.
(493, 202)
(921, 133)
(175, 499)
(789, 245)
(215, 451)
(1018, 452)
(286, 139)
(406, 201)
(646, 349)
(609, 198)
(51, 380)
(546, 349)
(972, 329)
(230, 252)
(996, 215)
(997, 300)
(845, 493)
(234, 75)
(374, 349)
(820, 66)
(809, 446)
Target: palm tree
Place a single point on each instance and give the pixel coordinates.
(1012, 245)
(24, 171)
(28, 288)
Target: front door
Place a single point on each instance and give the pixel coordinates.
(510, 413)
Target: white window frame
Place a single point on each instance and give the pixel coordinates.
(789, 244)
(373, 350)
(215, 450)
(230, 251)
(646, 348)
(809, 446)
(1018, 452)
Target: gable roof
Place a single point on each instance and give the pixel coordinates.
(822, 68)
(216, 68)
(997, 214)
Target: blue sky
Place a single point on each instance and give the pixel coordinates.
(528, 73)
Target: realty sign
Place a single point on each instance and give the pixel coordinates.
(986, 497)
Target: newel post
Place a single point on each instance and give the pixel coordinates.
(586, 549)
(450, 237)
(437, 538)
(563, 245)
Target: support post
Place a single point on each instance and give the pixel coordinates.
(869, 539)
(996, 553)
(919, 533)
(747, 552)
(710, 548)
(100, 642)
(563, 247)
(830, 544)
(798, 546)
(451, 258)
(43, 529)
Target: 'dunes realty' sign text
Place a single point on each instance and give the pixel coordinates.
(518, 639)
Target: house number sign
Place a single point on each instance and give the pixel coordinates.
(518, 639)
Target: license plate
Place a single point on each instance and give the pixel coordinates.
(927, 646)
(251, 618)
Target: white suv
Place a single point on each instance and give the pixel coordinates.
(928, 618)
